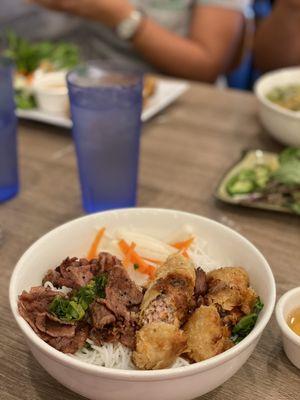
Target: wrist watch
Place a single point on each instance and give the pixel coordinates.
(129, 26)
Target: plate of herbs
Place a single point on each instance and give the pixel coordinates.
(264, 180)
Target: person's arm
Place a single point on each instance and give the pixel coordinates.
(277, 41)
(214, 38)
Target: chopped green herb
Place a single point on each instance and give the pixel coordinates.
(100, 283)
(74, 309)
(85, 295)
(136, 266)
(66, 310)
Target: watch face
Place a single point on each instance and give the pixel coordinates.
(127, 28)
(174, 15)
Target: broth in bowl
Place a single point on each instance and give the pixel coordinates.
(286, 96)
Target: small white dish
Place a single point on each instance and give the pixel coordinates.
(291, 341)
(51, 93)
(281, 123)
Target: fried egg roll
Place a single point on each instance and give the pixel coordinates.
(164, 309)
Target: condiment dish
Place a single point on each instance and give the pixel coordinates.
(291, 341)
(51, 92)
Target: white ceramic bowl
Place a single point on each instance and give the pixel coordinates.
(51, 92)
(291, 341)
(282, 124)
(74, 238)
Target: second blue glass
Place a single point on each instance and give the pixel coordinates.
(9, 184)
(106, 112)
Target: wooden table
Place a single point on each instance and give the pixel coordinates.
(184, 153)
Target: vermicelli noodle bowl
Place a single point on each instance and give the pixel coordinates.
(141, 292)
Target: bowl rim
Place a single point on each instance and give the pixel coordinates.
(263, 99)
(137, 375)
(281, 320)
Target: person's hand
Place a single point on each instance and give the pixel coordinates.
(108, 12)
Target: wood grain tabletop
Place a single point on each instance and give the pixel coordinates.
(184, 153)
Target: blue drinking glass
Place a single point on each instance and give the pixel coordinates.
(9, 183)
(106, 107)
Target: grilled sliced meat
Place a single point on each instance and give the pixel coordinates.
(75, 273)
(201, 283)
(121, 293)
(100, 314)
(53, 326)
(64, 336)
(72, 344)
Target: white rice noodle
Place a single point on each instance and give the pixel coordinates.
(109, 355)
(113, 355)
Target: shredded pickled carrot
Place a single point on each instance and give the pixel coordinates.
(92, 253)
(137, 259)
(184, 245)
(152, 260)
(128, 255)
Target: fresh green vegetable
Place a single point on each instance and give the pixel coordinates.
(258, 306)
(66, 310)
(241, 183)
(249, 180)
(288, 173)
(296, 207)
(24, 100)
(280, 187)
(240, 187)
(29, 56)
(262, 175)
(247, 323)
(288, 154)
(136, 266)
(74, 309)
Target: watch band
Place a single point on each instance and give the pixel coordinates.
(128, 27)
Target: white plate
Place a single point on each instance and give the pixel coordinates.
(168, 90)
